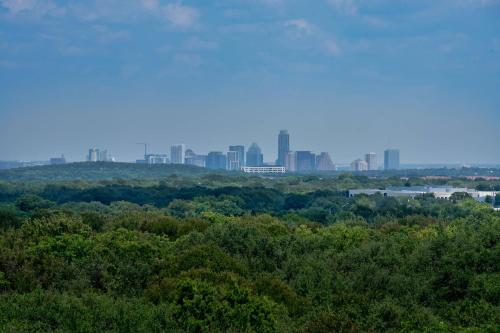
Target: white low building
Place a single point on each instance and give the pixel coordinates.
(440, 192)
(157, 159)
(264, 170)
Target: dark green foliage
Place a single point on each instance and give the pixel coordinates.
(120, 257)
(31, 202)
(457, 196)
(9, 217)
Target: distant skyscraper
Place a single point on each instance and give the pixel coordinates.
(359, 165)
(291, 161)
(241, 151)
(216, 160)
(283, 147)
(391, 159)
(93, 155)
(371, 160)
(254, 156)
(233, 161)
(97, 155)
(177, 154)
(324, 162)
(306, 161)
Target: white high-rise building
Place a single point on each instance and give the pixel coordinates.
(371, 160)
(359, 165)
(177, 154)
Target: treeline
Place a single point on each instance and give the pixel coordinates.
(130, 268)
(125, 256)
(88, 171)
(325, 207)
(98, 171)
(140, 173)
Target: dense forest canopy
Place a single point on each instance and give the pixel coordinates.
(230, 253)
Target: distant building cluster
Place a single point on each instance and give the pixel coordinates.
(301, 160)
(98, 155)
(238, 158)
(370, 162)
(251, 160)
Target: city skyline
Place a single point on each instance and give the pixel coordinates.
(237, 158)
(268, 159)
(346, 77)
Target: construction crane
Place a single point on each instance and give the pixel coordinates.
(145, 149)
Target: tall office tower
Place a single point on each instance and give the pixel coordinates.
(306, 161)
(241, 151)
(93, 155)
(177, 154)
(216, 160)
(254, 156)
(324, 162)
(283, 147)
(291, 161)
(359, 165)
(391, 159)
(371, 160)
(233, 161)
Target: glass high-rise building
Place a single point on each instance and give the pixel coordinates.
(216, 160)
(254, 156)
(241, 152)
(306, 161)
(391, 159)
(283, 147)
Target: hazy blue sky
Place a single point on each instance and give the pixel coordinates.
(343, 76)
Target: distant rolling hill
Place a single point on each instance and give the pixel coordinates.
(100, 171)
(87, 171)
